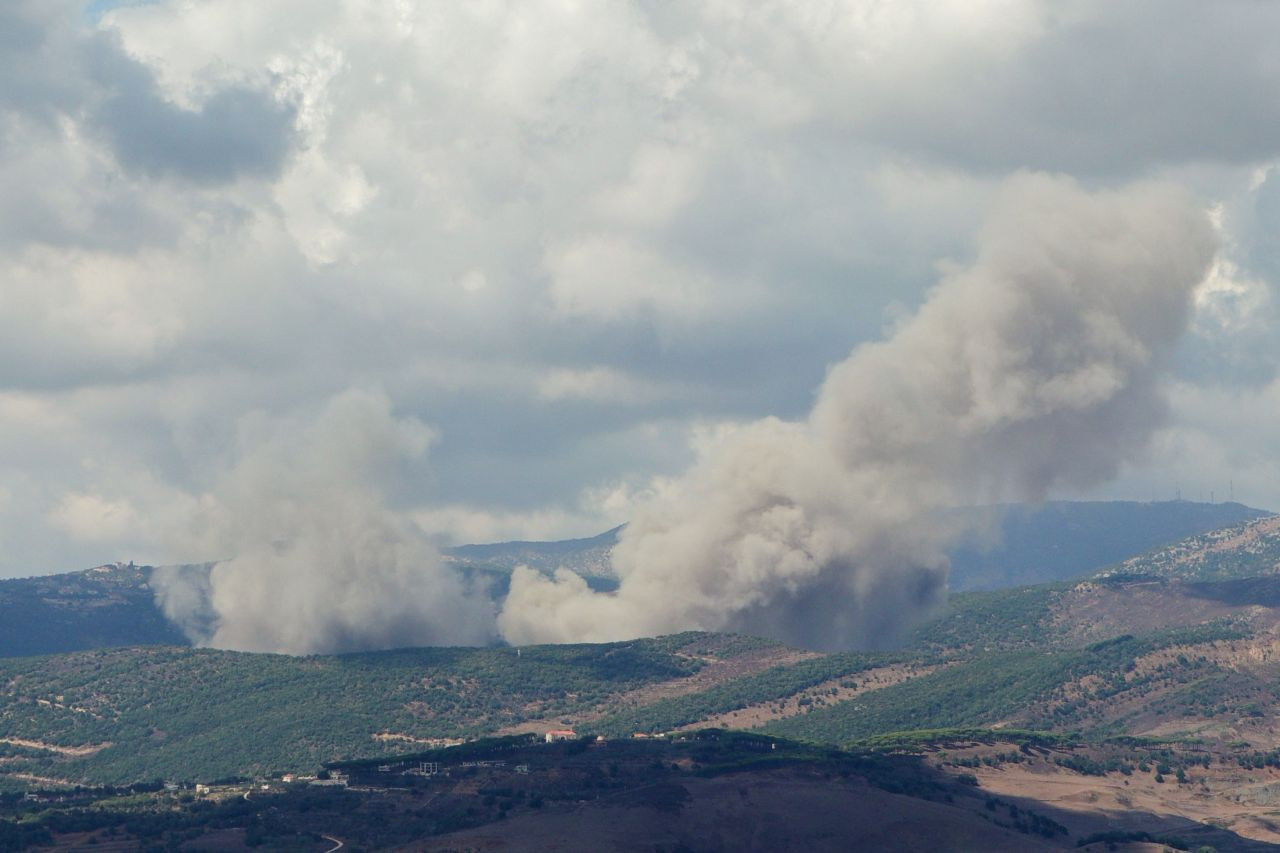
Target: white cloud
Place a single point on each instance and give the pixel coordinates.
(93, 518)
(1230, 302)
(317, 200)
(561, 234)
(1222, 441)
(609, 278)
(600, 385)
(662, 180)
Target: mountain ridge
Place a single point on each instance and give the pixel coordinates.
(113, 605)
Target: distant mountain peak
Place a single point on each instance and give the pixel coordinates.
(588, 557)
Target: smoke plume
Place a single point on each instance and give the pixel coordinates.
(1037, 366)
(320, 563)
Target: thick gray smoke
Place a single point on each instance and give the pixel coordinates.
(320, 563)
(1038, 366)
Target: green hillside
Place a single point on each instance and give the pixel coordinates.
(1144, 653)
(1027, 689)
(1148, 697)
(99, 608)
(1063, 658)
(146, 712)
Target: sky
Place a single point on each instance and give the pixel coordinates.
(507, 267)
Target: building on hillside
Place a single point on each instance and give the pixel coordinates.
(561, 734)
(424, 768)
(335, 779)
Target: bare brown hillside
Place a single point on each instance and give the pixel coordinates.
(1095, 610)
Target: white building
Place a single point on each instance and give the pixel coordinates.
(561, 734)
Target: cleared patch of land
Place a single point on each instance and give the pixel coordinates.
(431, 742)
(830, 692)
(77, 751)
(1220, 796)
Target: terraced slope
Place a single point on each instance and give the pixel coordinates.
(1247, 550)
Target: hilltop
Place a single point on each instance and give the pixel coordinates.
(1011, 545)
(113, 605)
(98, 608)
(588, 557)
(1246, 550)
(1061, 540)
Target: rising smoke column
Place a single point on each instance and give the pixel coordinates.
(320, 562)
(1037, 366)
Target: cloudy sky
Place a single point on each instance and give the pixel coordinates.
(550, 247)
